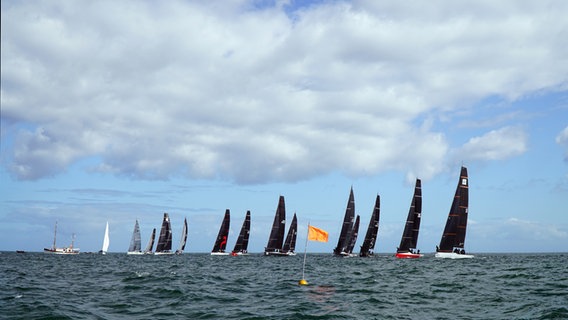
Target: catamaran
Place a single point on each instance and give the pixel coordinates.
(164, 246)
(241, 246)
(453, 239)
(66, 250)
(221, 241)
(367, 249)
(407, 248)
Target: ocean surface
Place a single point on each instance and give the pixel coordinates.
(200, 286)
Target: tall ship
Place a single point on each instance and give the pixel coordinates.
(452, 244)
(408, 243)
(183, 239)
(368, 247)
(222, 237)
(345, 236)
(241, 246)
(276, 245)
(65, 250)
(164, 245)
(135, 241)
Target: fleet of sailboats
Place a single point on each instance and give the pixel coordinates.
(222, 237)
(407, 248)
(453, 239)
(452, 243)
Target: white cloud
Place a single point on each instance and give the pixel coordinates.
(161, 89)
(562, 139)
(498, 144)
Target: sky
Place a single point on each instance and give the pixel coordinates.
(123, 110)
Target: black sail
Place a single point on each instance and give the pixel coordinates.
(454, 232)
(276, 239)
(347, 226)
(353, 236)
(367, 249)
(242, 241)
(290, 243)
(151, 242)
(223, 235)
(165, 239)
(412, 227)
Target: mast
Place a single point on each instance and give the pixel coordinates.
(372, 231)
(276, 238)
(165, 239)
(242, 241)
(223, 235)
(347, 225)
(290, 243)
(54, 236)
(410, 235)
(455, 229)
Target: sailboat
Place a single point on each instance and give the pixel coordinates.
(65, 250)
(453, 239)
(276, 239)
(222, 236)
(164, 246)
(367, 249)
(289, 247)
(183, 237)
(407, 248)
(150, 245)
(106, 241)
(353, 238)
(241, 246)
(135, 242)
(347, 228)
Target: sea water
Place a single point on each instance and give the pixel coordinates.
(200, 286)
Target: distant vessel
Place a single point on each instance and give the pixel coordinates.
(289, 247)
(183, 237)
(222, 237)
(407, 248)
(150, 245)
(345, 236)
(453, 239)
(368, 247)
(106, 241)
(65, 250)
(241, 245)
(164, 246)
(135, 241)
(276, 239)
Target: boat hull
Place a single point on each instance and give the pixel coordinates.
(220, 253)
(452, 255)
(135, 253)
(280, 254)
(163, 253)
(61, 251)
(239, 254)
(408, 255)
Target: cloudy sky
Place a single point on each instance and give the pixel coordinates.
(122, 110)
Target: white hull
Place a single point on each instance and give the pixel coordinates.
(239, 253)
(134, 253)
(452, 255)
(163, 253)
(62, 251)
(220, 253)
(280, 254)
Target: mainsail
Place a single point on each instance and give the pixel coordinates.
(135, 241)
(165, 240)
(347, 226)
(183, 237)
(150, 245)
(106, 240)
(276, 239)
(241, 246)
(290, 243)
(409, 238)
(223, 235)
(453, 238)
(353, 237)
(367, 249)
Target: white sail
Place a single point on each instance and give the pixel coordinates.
(106, 241)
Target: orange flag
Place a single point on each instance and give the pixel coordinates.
(317, 234)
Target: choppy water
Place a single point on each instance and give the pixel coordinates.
(199, 286)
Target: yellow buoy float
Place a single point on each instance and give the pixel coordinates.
(303, 282)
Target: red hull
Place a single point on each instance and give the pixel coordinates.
(408, 255)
